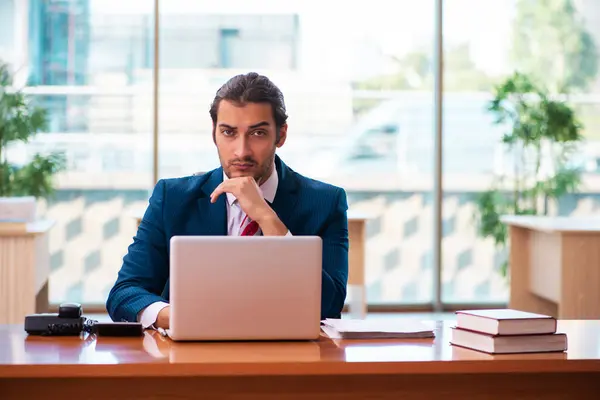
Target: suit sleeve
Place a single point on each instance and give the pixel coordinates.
(145, 269)
(335, 259)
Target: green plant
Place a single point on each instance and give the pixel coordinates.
(552, 44)
(20, 120)
(543, 132)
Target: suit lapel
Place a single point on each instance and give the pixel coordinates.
(212, 217)
(285, 198)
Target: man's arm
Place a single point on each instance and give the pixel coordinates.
(272, 226)
(335, 259)
(145, 268)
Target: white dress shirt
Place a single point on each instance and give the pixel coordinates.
(235, 226)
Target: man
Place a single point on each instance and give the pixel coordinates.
(252, 193)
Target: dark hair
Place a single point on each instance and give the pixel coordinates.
(251, 88)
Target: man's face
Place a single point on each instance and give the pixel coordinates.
(245, 136)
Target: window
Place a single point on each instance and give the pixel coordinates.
(366, 126)
(359, 89)
(83, 63)
(553, 42)
(228, 37)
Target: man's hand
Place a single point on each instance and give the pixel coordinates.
(248, 194)
(163, 318)
(250, 198)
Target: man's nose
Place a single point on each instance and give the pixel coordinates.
(242, 147)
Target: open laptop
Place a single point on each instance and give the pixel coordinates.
(226, 288)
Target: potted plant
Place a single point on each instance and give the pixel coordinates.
(20, 121)
(543, 132)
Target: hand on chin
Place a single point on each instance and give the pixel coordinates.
(248, 194)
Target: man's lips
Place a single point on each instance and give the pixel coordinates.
(243, 166)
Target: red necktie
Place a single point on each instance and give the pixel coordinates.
(250, 229)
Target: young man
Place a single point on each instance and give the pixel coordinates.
(252, 193)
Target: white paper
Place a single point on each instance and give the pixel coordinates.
(378, 328)
(377, 325)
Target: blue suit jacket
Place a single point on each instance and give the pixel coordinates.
(182, 206)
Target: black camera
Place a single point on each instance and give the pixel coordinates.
(69, 321)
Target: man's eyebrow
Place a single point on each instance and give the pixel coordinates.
(258, 125)
(227, 126)
(262, 123)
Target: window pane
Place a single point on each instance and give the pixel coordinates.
(555, 43)
(89, 64)
(358, 91)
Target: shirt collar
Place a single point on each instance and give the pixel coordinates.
(268, 188)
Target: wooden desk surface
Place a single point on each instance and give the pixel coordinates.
(31, 229)
(152, 367)
(554, 224)
(22, 356)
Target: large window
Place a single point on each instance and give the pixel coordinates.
(359, 79)
(88, 64)
(555, 43)
(356, 118)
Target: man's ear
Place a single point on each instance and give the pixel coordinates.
(282, 135)
(214, 134)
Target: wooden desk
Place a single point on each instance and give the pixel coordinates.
(555, 265)
(155, 367)
(24, 271)
(356, 264)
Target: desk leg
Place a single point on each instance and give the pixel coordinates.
(356, 268)
(521, 297)
(580, 276)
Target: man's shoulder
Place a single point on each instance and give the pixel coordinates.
(185, 184)
(317, 187)
(182, 181)
(319, 201)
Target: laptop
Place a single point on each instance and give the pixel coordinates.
(245, 288)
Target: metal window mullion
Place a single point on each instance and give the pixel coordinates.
(438, 152)
(155, 98)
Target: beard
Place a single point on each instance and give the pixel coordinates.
(259, 171)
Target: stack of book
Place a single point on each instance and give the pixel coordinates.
(505, 331)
